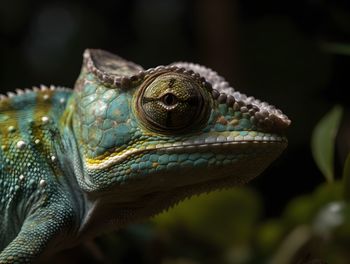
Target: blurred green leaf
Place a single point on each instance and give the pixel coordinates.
(337, 48)
(326, 193)
(322, 143)
(223, 217)
(332, 232)
(346, 178)
(269, 235)
(303, 209)
(299, 211)
(291, 245)
(309, 221)
(328, 218)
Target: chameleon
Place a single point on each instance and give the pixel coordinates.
(123, 145)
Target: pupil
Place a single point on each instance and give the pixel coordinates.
(169, 99)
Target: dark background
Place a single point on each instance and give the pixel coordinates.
(285, 52)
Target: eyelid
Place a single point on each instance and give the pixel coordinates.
(190, 113)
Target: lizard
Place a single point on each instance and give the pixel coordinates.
(123, 145)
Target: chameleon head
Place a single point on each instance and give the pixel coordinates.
(159, 135)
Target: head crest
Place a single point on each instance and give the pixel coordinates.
(120, 73)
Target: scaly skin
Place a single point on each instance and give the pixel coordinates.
(124, 145)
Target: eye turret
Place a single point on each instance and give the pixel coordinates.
(172, 102)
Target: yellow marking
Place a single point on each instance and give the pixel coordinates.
(234, 133)
(9, 127)
(43, 96)
(67, 116)
(107, 155)
(42, 109)
(5, 104)
(234, 122)
(4, 117)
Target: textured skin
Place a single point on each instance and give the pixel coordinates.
(124, 145)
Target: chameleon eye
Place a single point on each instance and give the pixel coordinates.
(169, 99)
(172, 102)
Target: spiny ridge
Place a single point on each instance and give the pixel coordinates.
(42, 87)
(266, 115)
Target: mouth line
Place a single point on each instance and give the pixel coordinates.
(95, 164)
